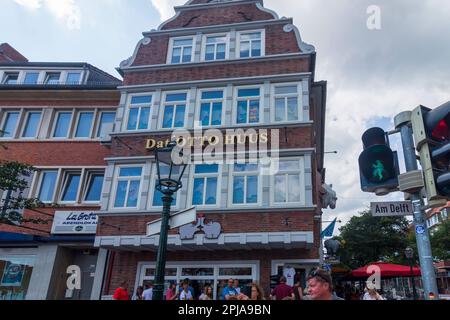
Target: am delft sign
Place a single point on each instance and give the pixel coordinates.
(391, 209)
(74, 222)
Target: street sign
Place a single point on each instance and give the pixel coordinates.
(176, 220)
(420, 229)
(391, 209)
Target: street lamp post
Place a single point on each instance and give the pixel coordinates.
(170, 171)
(409, 253)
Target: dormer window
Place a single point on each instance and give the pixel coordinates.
(11, 78)
(181, 50)
(52, 78)
(31, 78)
(73, 78)
(251, 44)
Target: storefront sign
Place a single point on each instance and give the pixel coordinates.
(74, 222)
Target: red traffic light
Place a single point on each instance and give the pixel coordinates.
(441, 131)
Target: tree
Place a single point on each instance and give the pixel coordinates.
(367, 239)
(440, 241)
(13, 182)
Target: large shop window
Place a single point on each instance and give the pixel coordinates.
(32, 122)
(106, 123)
(157, 195)
(9, 124)
(174, 110)
(251, 44)
(245, 184)
(182, 50)
(206, 179)
(62, 125)
(139, 113)
(248, 101)
(127, 187)
(286, 103)
(15, 274)
(84, 125)
(211, 106)
(288, 182)
(215, 47)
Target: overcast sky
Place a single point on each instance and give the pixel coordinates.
(372, 74)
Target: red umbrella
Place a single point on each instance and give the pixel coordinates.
(387, 270)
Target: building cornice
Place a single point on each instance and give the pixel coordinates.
(200, 6)
(215, 82)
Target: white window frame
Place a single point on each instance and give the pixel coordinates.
(245, 174)
(77, 121)
(39, 184)
(235, 105)
(64, 181)
(6, 74)
(55, 121)
(47, 74)
(140, 106)
(238, 43)
(128, 178)
(163, 105)
(204, 44)
(193, 176)
(300, 172)
(98, 121)
(3, 122)
(88, 174)
(153, 180)
(199, 102)
(299, 96)
(25, 121)
(171, 46)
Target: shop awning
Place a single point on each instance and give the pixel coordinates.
(226, 241)
(388, 270)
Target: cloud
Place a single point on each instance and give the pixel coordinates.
(65, 11)
(165, 7)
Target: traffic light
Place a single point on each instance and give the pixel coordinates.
(432, 136)
(378, 164)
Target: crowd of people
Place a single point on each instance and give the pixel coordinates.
(319, 287)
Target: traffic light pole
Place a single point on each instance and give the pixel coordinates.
(403, 122)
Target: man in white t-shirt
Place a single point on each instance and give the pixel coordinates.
(148, 292)
(289, 273)
(186, 293)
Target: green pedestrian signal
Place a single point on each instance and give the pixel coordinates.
(378, 164)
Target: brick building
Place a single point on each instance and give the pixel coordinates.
(53, 116)
(225, 65)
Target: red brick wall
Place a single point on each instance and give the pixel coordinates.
(209, 72)
(50, 153)
(218, 15)
(245, 221)
(24, 103)
(124, 265)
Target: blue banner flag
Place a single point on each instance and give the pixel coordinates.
(328, 232)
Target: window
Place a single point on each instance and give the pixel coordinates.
(62, 125)
(52, 78)
(10, 124)
(211, 106)
(33, 119)
(157, 195)
(73, 78)
(94, 187)
(215, 47)
(71, 183)
(16, 273)
(47, 186)
(182, 50)
(288, 182)
(139, 113)
(84, 125)
(205, 185)
(444, 214)
(128, 185)
(248, 101)
(106, 123)
(251, 44)
(31, 78)
(286, 103)
(245, 183)
(174, 110)
(11, 78)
